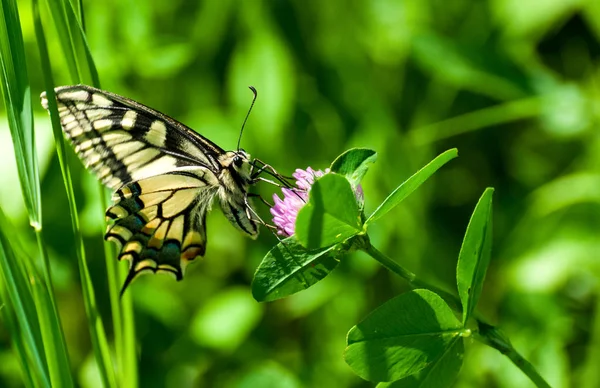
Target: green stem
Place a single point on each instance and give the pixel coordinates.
(472, 121)
(130, 361)
(495, 338)
(55, 344)
(113, 276)
(122, 312)
(486, 333)
(45, 261)
(410, 277)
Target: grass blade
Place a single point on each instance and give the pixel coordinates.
(59, 17)
(40, 304)
(83, 56)
(76, 48)
(7, 313)
(17, 98)
(21, 299)
(129, 366)
(97, 333)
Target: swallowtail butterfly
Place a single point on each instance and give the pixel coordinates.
(165, 177)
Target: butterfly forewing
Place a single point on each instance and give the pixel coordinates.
(121, 140)
(165, 176)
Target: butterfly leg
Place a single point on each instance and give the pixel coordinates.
(261, 179)
(254, 195)
(267, 168)
(249, 211)
(293, 189)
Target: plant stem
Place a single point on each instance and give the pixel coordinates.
(45, 262)
(494, 337)
(410, 277)
(113, 276)
(122, 313)
(488, 334)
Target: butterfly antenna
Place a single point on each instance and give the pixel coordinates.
(247, 115)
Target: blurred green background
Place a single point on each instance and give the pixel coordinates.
(514, 85)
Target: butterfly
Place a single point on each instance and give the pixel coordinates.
(165, 176)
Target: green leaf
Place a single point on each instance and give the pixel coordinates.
(411, 184)
(441, 373)
(331, 214)
(475, 254)
(73, 41)
(353, 164)
(18, 294)
(289, 268)
(16, 93)
(83, 56)
(9, 320)
(402, 337)
(34, 306)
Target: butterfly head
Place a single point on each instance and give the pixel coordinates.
(238, 162)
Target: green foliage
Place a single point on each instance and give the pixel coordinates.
(410, 185)
(440, 373)
(328, 226)
(73, 42)
(512, 87)
(354, 164)
(405, 335)
(475, 254)
(42, 344)
(16, 92)
(20, 311)
(289, 268)
(413, 339)
(331, 214)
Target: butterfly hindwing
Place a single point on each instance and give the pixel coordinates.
(159, 221)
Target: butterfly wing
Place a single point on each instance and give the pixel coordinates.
(121, 140)
(159, 220)
(165, 176)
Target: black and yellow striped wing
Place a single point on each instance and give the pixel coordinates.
(159, 221)
(165, 176)
(121, 140)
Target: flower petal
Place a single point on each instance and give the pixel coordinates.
(286, 210)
